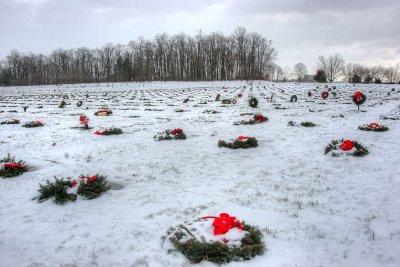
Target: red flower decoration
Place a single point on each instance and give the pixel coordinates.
(243, 138)
(346, 145)
(358, 97)
(309, 93)
(224, 223)
(176, 131)
(13, 165)
(374, 125)
(84, 120)
(74, 183)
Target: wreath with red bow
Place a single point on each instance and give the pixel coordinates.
(359, 99)
(219, 248)
(176, 133)
(339, 147)
(375, 127)
(12, 168)
(62, 191)
(111, 131)
(33, 124)
(324, 95)
(240, 142)
(256, 119)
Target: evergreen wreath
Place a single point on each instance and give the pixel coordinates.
(241, 142)
(256, 119)
(11, 167)
(346, 145)
(293, 98)
(253, 102)
(359, 99)
(79, 103)
(103, 112)
(375, 127)
(11, 121)
(226, 101)
(176, 134)
(56, 190)
(33, 124)
(217, 98)
(198, 249)
(324, 95)
(308, 124)
(92, 187)
(111, 131)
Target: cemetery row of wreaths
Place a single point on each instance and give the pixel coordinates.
(219, 239)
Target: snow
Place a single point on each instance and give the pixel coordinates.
(313, 209)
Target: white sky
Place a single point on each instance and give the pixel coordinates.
(363, 31)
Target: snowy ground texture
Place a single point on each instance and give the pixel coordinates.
(314, 210)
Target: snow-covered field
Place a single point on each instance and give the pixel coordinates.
(314, 210)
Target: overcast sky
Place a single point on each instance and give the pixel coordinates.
(363, 31)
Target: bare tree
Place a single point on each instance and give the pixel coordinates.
(334, 66)
(285, 73)
(392, 74)
(299, 71)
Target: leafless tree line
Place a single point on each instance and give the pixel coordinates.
(241, 55)
(334, 68)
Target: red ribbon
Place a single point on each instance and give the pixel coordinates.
(243, 138)
(74, 183)
(259, 118)
(100, 132)
(84, 120)
(374, 125)
(346, 145)
(13, 165)
(224, 223)
(89, 179)
(38, 122)
(358, 96)
(176, 131)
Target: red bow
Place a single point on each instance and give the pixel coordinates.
(38, 123)
(74, 183)
(243, 138)
(346, 145)
(84, 120)
(374, 125)
(89, 179)
(358, 96)
(13, 165)
(176, 131)
(100, 132)
(259, 118)
(224, 223)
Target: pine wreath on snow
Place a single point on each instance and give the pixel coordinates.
(33, 124)
(12, 168)
(256, 119)
(241, 142)
(176, 134)
(373, 127)
(346, 147)
(196, 242)
(111, 131)
(12, 121)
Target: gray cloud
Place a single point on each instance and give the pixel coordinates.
(364, 31)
